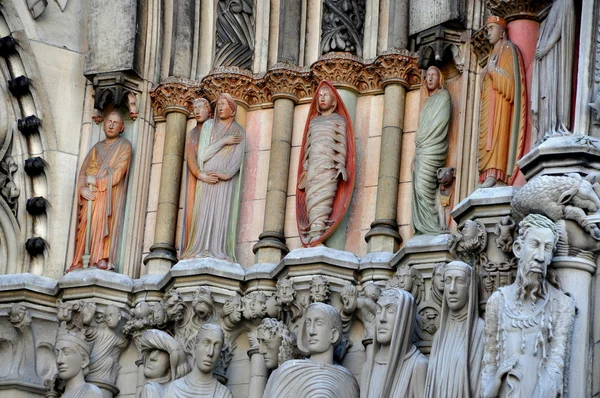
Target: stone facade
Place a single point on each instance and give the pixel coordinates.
(65, 65)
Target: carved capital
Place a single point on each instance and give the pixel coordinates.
(341, 69)
(400, 68)
(172, 93)
(289, 81)
(239, 83)
(519, 9)
(481, 46)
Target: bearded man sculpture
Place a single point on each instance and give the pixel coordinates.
(72, 360)
(455, 361)
(326, 168)
(396, 368)
(164, 361)
(201, 383)
(528, 324)
(320, 332)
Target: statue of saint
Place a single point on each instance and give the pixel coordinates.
(431, 148)
(502, 118)
(320, 332)
(72, 360)
(101, 188)
(528, 325)
(396, 368)
(164, 361)
(216, 207)
(195, 143)
(553, 71)
(277, 344)
(201, 383)
(326, 169)
(457, 352)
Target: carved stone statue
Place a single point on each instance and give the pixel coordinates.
(216, 208)
(528, 325)
(363, 307)
(195, 143)
(179, 316)
(255, 306)
(326, 169)
(277, 344)
(455, 361)
(410, 279)
(72, 360)
(203, 304)
(101, 188)
(164, 361)
(502, 118)
(396, 368)
(318, 376)
(431, 148)
(437, 283)
(201, 383)
(231, 314)
(553, 71)
(319, 290)
(469, 242)
(283, 304)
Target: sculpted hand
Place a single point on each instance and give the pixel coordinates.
(222, 176)
(87, 194)
(209, 178)
(232, 139)
(493, 389)
(539, 54)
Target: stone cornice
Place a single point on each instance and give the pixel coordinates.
(519, 9)
(254, 91)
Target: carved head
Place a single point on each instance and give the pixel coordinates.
(445, 176)
(457, 278)
(233, 309)
(534, 248)
(174, 305)
(372, 291)
(202, 111)
(319, 289)
(434, 79)
(276, 343)
(255, 305)
(17, 313)
(327, 101)
(349, 296)
(405, 278)
(203, 303)
(429, 320)
(113, 125)
(495, 29)
(72, 354)
(320, 331)
(163, 357)
(285, 291)
(112, 316)
(437, 279)
(159, 315)
(88, 312)
(209, 341)
(226, 106)
(65, 310)
(391, 308)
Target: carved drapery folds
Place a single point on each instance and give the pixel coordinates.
(235, 33)
(343, 25)
(259, 90)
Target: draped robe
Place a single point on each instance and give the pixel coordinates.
(431, 148)
(107, 208)
(86, 390)
(503, 113)
(309, 379)
(187, 388)
(104, 360)
(215, 214)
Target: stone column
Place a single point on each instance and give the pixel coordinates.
(172, 100)
(396, 70)
(258, 374)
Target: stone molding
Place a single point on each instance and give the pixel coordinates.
(519, 9)
(255, 91)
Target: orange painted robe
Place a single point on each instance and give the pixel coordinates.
(107, 208)
(503, 114)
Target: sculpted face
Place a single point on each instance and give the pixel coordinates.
(236, 314)
(113, 125)
(405, 280)
(269, 348)
(258, 306)
(349, 301)
(326, 101)
(112, 316)
(285, 292)
(158, 314)
(156, 364)
(456, 289)
(321, 334)
(318, 290)
(174, 309)
(208, 350)
(432, 79)
(385, 319)
(535, 251)
(69, 360)
(88, 313)
(224, 110)
(200, 112)
(494, 33)
(65, 312)
(438, 279)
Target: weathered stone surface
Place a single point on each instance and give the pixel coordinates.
(429, 13)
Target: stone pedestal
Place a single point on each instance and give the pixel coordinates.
(222, 277)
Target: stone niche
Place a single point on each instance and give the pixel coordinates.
(426, 14)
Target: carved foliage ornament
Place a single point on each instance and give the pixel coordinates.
(172, 93)
(343, 25)
(518, 9)
(235, 33)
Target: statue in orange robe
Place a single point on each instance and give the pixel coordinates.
(503, 112)
(103, 181)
